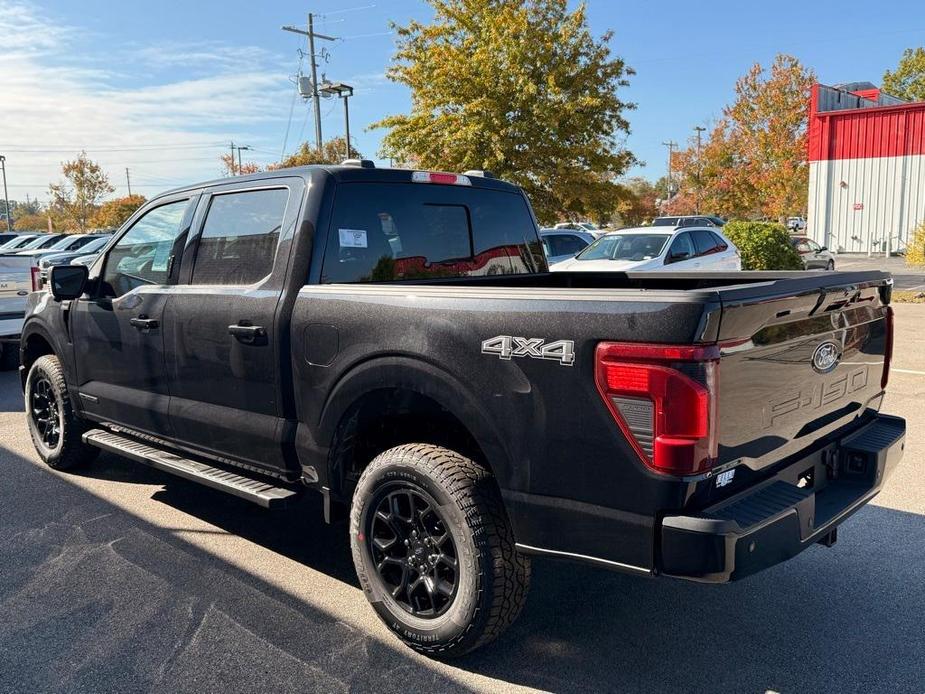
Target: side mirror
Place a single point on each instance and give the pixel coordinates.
(824, 248)
(68, 281)
(678, 256)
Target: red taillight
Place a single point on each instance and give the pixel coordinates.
(36, 278)
(888, 347)
(663, 397)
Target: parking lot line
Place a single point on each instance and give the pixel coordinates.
(907, 371)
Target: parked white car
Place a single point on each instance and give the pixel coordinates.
(562, 244)
(647, 249)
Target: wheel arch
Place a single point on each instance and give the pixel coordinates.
(388, 401)
(34, 343)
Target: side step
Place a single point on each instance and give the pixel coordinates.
(254, 490)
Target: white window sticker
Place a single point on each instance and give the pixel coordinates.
(352, 238)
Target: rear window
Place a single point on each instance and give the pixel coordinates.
(384, 232)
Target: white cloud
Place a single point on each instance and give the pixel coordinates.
(58, 98)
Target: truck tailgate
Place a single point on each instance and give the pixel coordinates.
(798, 362)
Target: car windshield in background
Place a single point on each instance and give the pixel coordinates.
(665, 221)
(625, 247)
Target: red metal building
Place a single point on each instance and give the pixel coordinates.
(867, 168)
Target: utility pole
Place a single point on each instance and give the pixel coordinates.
(239, 148)
(232, 158)
(671, 144)
(311, 55)
(699, 129)
(128, 182)
(6, 197)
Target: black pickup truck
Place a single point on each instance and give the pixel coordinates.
(393, 340)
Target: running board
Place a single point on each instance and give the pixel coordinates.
(254, 490)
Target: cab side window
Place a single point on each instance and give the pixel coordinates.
(681, 249)
(143, 254)
(240, 236)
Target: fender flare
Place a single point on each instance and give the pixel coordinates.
(426, 379)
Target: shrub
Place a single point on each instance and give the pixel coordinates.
(763, 246)
(915, 249)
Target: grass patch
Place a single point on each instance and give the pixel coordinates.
(904, 296)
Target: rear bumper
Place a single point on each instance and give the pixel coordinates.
(777, 519)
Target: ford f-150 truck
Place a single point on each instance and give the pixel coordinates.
(393, 340)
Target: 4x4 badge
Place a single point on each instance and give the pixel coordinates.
(507, 346)
(826, 357)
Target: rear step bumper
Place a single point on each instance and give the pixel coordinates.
(254, 490)
(777, 519)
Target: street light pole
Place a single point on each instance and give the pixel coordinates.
(700, 129)
(347, 123)
(671, 144)
(6, 197)
(344, 91)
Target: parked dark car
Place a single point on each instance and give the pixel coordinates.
(702, 220)
(17, 242)
(392, 340)
(814, 256)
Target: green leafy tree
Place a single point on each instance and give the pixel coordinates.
(520, 88)
(113, 213)
(763, 245)
(332, 152)
(907, 81)
(77, 200)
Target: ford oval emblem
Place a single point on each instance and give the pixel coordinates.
(826, 357)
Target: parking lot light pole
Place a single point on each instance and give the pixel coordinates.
(6, 197)
(344, 91)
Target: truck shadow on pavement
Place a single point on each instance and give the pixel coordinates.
(95, 598)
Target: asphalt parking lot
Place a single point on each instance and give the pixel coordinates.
(121, 578)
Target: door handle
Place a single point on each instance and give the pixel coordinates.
(248, 334)
(144, 323)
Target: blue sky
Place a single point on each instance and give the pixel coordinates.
(160, 87)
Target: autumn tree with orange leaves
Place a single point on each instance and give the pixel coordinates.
(753, 164)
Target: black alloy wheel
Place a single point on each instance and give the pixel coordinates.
(413, 550)
(45, 411)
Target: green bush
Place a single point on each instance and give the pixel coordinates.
(763, 246)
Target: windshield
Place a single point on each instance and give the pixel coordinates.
(65, 243)
(40, 242)
(625, 247)
(15, 242)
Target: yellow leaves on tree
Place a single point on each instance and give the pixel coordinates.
(754, 162)
(76, 201)
(113, 213)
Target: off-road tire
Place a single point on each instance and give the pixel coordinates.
(493, 576)
(9, 356)
(69, 451)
